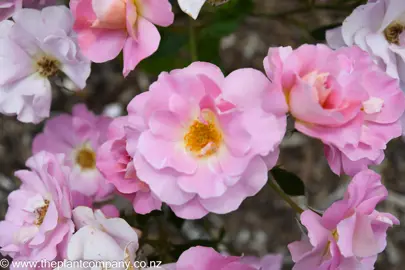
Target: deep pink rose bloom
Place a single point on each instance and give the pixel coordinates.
(39, 222)
(8, 7)
(198, 152)
(106, 27)
(350, 234)
(340, 97)
(118, 168)
(78, 136)
(204, 258)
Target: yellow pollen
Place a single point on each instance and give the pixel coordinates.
(203, 139)
(335, 236)
(86, 158)
(47, 66)
(40, 213)
(393, 31)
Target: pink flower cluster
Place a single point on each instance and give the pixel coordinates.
(184, 143)
(351, 232)
(197, 140)
(342, 98)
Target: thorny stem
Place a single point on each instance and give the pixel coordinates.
(193, 42)
(284, 196)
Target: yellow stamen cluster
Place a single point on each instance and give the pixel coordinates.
(47, 66)
(393, 31)
(203, 139)
(86, 158)
(40, 213)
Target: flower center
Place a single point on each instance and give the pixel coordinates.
(393, 31)
(47, 66)
(203, 137)
(40, 213)
(86, 158)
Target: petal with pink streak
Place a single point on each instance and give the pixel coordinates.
(213, 72)
(245, 87)
(165, 125)
(145, 202)
(316, 232)
(158, 12)
(204, 182)
(166, 154)
(252, 180)
(147, 42)
(190, 210)
(345, 134)
(110, 14)
(101, 45)
(162, 182)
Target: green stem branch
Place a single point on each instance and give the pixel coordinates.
(284, 196)
(193, 41)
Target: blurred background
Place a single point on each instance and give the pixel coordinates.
(235, 35)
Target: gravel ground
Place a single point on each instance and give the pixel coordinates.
(263, 223)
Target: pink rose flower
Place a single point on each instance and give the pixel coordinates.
(340, 97)
(204, 258)
(118, 168)
(377, 28)
(350, 234)
(34, 48)
(8, 7)
(107, 240)
(39, 222)
(198, 152)
(106, 27)
(78, 136)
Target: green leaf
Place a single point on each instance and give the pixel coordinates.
(290, 183)
(167, 57)
(320, 33)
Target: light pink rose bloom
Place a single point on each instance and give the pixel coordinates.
(33, 49)
(340, 97)
(350, 234)
(198, 152)
(106, 27)
(205, 258)
(378, 28)
(8, 7)
(78, 136)
(101, 239)
(118, 168)
(39, 222)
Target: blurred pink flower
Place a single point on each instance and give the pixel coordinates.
(340, 97)
(118, 168)
(39, 222)
(351, 232)
(198, 152)
(78, 136)
(377, 28)
(106, 27)
(101, 239)
(34, 48)
(205, 258)
(8, 7)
